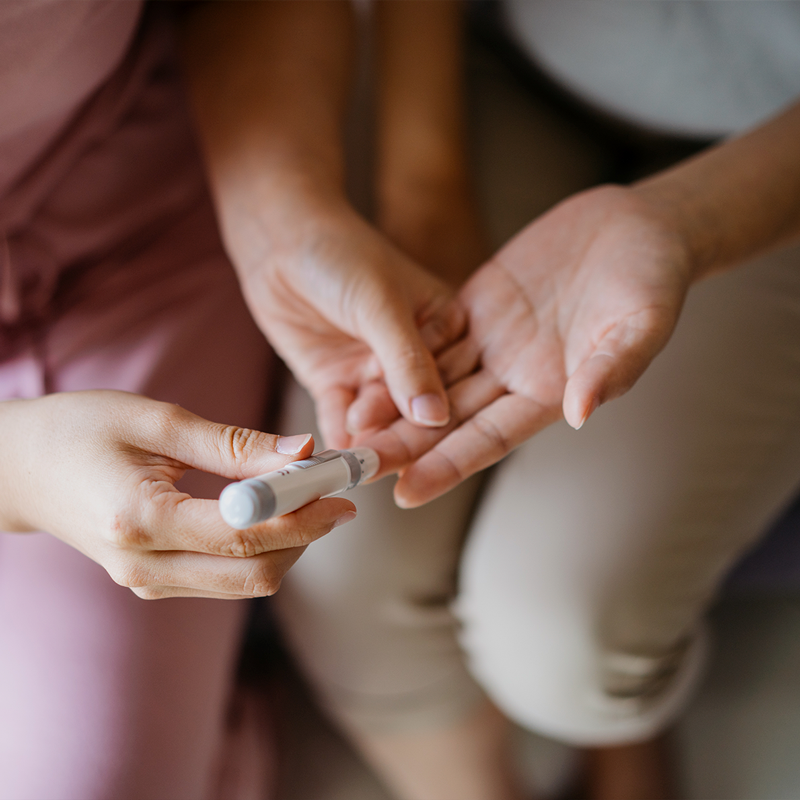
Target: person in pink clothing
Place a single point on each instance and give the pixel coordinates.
(123, 330)
(114, 279)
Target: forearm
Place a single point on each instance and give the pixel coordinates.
(420, 107)
(737, 199)
(424, 197)
(269, 83)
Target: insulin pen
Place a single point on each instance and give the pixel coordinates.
(327, 473)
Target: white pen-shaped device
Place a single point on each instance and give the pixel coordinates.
(325, 474)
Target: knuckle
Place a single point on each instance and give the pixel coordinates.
(308, 533)
(445, 325)
(242, 545)
(124, 533)
(164, 418)
(450, 465)
(239, 443)
(261, 581)
(498, 444)
(129, 574)
(148, 592)
(413, 359)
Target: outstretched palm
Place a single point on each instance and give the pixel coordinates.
(566, 316)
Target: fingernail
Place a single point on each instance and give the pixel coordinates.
(430, 409)
(345, 518)
(592, 408)
(292, 445)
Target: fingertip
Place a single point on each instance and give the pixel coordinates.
(401, 502)
(373, 409)
(294, 445)
(577, 413)
(404, 499)
(348, 516)
(430, 410)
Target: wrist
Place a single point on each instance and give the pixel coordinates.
(679, 208)
(268, 215)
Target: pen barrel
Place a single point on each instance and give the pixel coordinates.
(295, 488)
(325, 474)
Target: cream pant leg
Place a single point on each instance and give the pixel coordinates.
(366, 609)
(594, 553)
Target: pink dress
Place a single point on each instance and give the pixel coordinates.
(112, 275)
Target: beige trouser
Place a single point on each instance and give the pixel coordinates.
(583, 576)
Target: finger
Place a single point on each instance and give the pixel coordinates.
(459, 361)
(373, 408)
(332, 406)
(182, 574)
(406, 363)
(481, 441)
(402, 443)
(163, 592)
(227, 450)
(443, 326)
(176, 521)
(616, 364)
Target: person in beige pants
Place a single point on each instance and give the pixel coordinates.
(574, 595)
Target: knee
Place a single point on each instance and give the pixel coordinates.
(541, 660)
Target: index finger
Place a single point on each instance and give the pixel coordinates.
(481, 441)
(487, 424)
(177, 521)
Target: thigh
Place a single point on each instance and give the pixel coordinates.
(102, 694)
(597, 551)
(117, 696)
(367, 609)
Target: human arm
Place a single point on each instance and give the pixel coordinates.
(270, 81)
(570, 312)
(98, 470)
(425, 201)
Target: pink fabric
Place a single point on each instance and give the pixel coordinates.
(53, 55)
(113, 277)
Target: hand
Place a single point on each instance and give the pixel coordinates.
(565, 317)
(98, 470)
(437, 223)
(343, 308)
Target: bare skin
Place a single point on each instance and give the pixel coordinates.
(341, 302)
(567, 316)
(571, 311)
(640, 771)
(98, 470)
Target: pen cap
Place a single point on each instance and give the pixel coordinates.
(369, 461)
(246, 503)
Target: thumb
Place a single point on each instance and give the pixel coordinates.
(408, 366)
(617, 363)
(227, 450)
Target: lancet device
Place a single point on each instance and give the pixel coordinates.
(277, 493)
